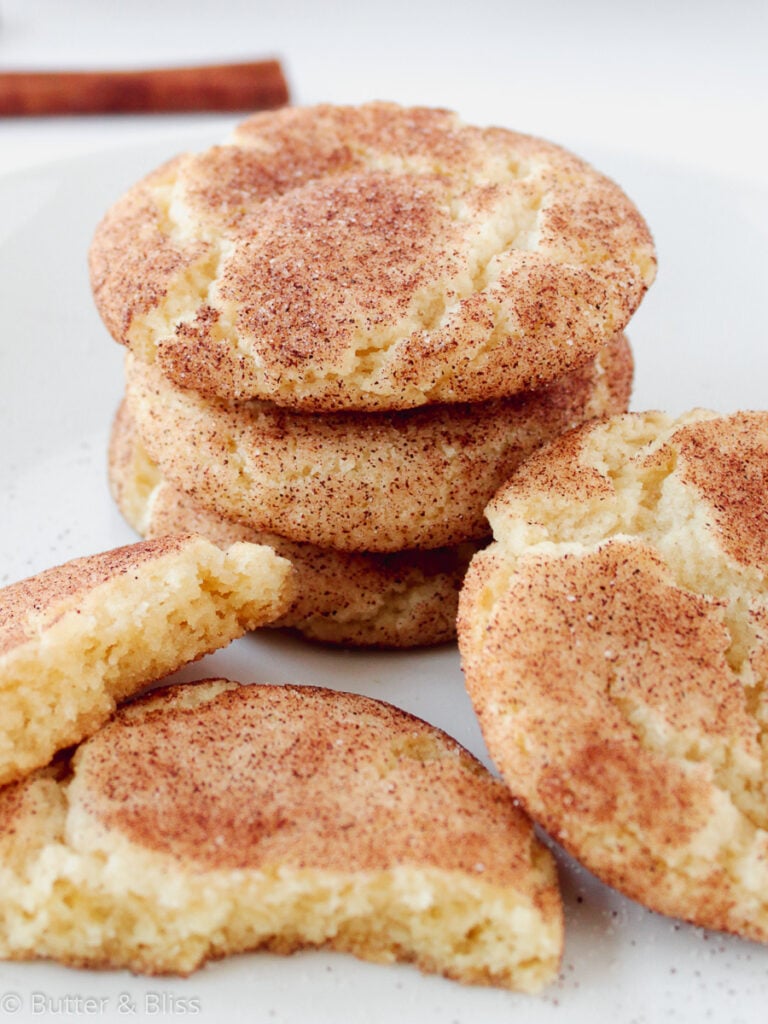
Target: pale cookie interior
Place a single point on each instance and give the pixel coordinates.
(265, 820)
(69, 652)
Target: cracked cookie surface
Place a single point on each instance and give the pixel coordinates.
(372, 257)
(615, 645)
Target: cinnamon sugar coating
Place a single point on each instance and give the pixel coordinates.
(372, 257)
(213, 818)
(400, 599)
(304, 766)
(32, 605)
(369, 482)
(615, 645)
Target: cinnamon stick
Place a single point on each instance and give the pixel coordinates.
(257, 85)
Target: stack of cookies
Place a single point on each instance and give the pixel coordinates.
(346, 328)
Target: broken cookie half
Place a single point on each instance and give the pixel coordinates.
(213, 818)
(79, 638)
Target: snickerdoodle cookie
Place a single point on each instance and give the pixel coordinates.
(417, 478)
(615, 642)
(76, 639)
(401, 599)
(215, 818)
(372, 257)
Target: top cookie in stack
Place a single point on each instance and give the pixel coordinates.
(292, 299)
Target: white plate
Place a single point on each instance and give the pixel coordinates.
(698, 340)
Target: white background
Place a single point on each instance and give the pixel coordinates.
(672, 100)
(686, 80)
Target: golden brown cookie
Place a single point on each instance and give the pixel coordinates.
(416, 478)
(372, 257)
(76, 639)
(401, 599)
(214, 818)
(615, 643)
